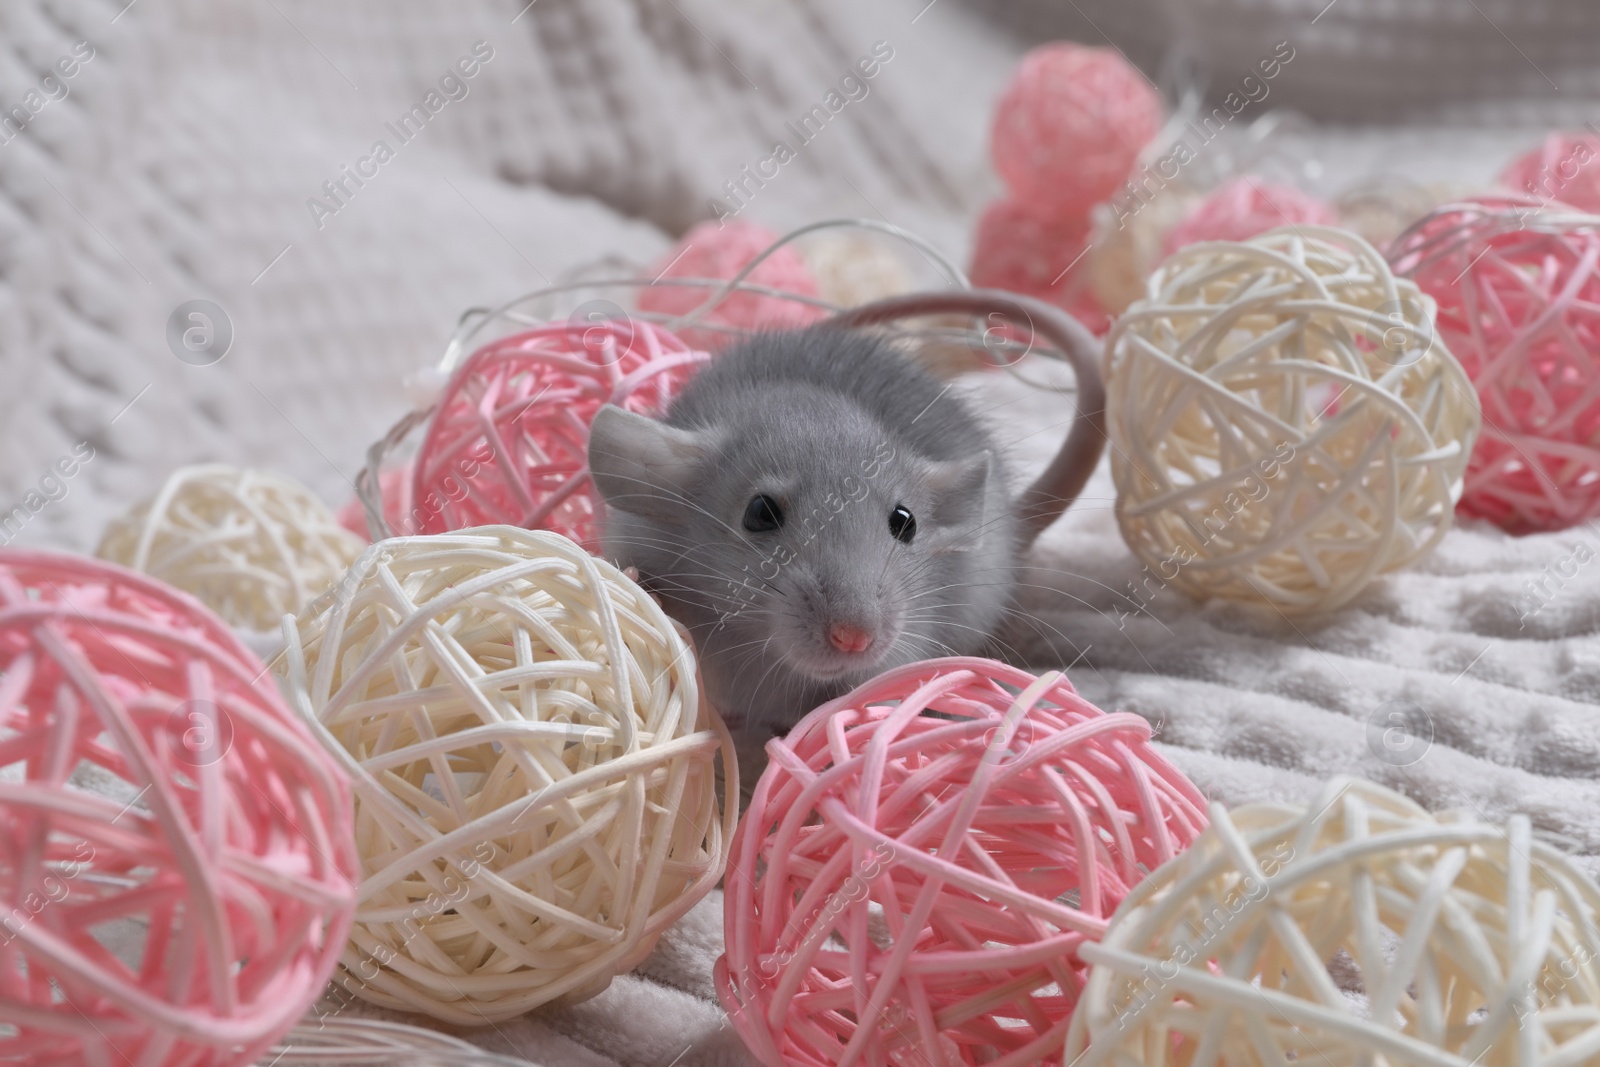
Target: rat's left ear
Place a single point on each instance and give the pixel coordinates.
(958, 488)
(642, 465)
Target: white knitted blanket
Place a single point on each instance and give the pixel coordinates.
(228, 151)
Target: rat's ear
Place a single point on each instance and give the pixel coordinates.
(642, 465)
(959, 490)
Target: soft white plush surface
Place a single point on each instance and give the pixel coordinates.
(179, 167)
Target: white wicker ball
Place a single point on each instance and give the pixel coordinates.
(1285, 425)
(251, 546)
(535, 772)
(1357, 930)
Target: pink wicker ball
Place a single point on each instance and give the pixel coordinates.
(509, 441)
(1245, 206)
(719, 251)
(1518, 293)
(1069, 126)
(179, 860)
(1040, 256)
(921, 859)
(1566, 167)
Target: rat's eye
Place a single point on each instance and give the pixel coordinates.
(902, 524)
(762, 514)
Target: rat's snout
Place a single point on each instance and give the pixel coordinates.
(835, 623)
(848, 638)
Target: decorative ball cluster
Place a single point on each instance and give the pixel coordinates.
(1285, 424)
(1067, 133)
(1518, 288)
(924, 856)
(179, 871)
(1565, 168)
(1069, 126)
(509, 440)
(1243, 207)
(535, 773)
(718, 251)
(251, 546)
(1467, 943)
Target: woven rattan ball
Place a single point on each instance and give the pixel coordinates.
(717, 251)
(924, 855)
(1518, 288)
(1284, 425)
(1069, 126)
(1038, 256)
(1357, 930)
(509, 440)
(1127, 243)
(1242, 207)
(1383, 207)
(854, 268)
(251, 546)
(535, 773)
(178, 871)
(1565, 168)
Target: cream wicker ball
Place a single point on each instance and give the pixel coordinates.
(1127, 243)
(1358, 930)
(854, 268)
(1383, 207)
(250, 545)
(1285, 426)
(535, 772)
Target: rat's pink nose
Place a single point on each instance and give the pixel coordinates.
(847, 638)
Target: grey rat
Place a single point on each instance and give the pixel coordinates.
(816, 508)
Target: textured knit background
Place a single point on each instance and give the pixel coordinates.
(180, 163)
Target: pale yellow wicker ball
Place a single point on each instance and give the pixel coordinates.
(1356, 930)
(1285, 424)
(251, 546)
(852, 268)
(1126, 243)
(535, 772)
(1382, 208)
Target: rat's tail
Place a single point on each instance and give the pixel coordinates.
(1024, 317)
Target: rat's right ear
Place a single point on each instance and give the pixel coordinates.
(642, 465)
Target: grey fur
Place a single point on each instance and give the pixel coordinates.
(797, 415)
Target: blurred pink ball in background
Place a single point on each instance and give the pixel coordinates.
(1566, 167)
(1069, 127)
(721, 250)
(1037, 256)
(1245, 206)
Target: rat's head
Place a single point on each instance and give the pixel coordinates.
(796, 532)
